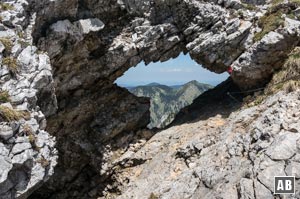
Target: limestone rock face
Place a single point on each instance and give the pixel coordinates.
(218, 158)
(59, 60)
(212, 33)
(271, 49)
(27, 152)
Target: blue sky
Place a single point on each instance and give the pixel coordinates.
(172, 72)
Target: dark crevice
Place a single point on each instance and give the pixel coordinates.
(264, 185)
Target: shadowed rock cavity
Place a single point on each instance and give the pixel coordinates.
(92, 43)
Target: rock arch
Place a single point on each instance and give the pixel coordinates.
(91, 43)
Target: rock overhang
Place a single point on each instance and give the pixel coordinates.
(153, 31)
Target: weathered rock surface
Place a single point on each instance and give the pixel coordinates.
(27, 153)
(236, 157)
(100, 127)
(125, 34)
(273, 45)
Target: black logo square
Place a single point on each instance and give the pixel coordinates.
(284, 185)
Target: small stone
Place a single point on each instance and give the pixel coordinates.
(3, 150)
(261, 191)
(284, 147)
(2, 47)
(28, 58)
(247, 191)
(297, 13)
(22, 157)
(267, 175)
(5, 167)
(19, 147)
(90, 25)
(6, 132)
(293, 169)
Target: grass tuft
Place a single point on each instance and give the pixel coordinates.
(5, 6)
(9, 115)
(249, 6)
(44, 162)
(153, 196)
(268, 23)
(276, 2)
(21, 34)
(24, 43)
(7, 44)
(273, 18)
(290, 69)
(27, 130)
(4, 97)
(11, 63)
(287, 79)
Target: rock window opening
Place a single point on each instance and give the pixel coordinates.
(170, 85)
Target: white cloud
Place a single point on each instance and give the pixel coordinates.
(176, 70)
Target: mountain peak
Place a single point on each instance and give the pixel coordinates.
(193, 82)
(153, 84)
(168, 100)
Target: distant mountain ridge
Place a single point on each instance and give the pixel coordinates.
(153, 84)
(166, 101)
